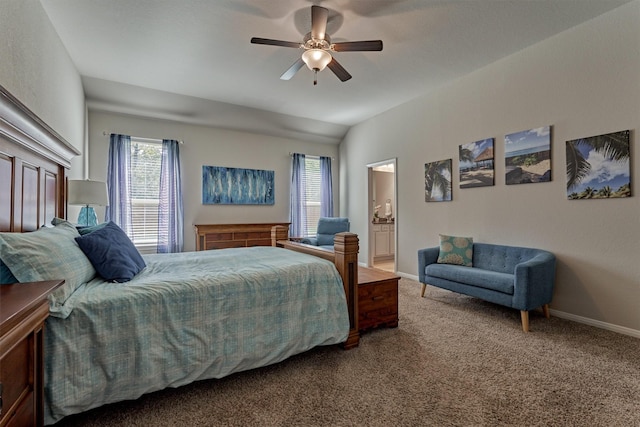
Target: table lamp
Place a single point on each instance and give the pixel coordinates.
(87, 193)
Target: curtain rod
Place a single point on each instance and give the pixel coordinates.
(291, 153)
(105, 133)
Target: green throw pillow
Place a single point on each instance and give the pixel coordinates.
(50, 253)
(456, 250)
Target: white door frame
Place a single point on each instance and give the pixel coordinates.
(369, 219)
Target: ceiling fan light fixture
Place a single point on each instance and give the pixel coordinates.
(316, 59)
(318, 47)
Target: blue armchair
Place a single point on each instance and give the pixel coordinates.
(327, 229)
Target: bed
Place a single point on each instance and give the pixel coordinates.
(183, 317)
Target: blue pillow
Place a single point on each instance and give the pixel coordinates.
(112, 253)
(86, 229)
(82, 229)
(6, 276)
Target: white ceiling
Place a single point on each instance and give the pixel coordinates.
(191, 60)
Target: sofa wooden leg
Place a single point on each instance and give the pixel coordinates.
(424, 287)
(545, 310)
(524, 315)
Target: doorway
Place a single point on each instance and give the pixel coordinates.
(382, 215)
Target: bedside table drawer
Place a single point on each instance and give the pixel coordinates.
(15, 375)
(23, 311)
(23, 415)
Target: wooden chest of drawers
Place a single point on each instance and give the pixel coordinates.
(377, 298)
(220, 236)
(23, 310)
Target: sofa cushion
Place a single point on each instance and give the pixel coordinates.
(501, 282)
(456, 250)
(500, 258)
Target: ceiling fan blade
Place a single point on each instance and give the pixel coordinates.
(368, 45)
(271, 42)
(339, 70)
(319, 17)
(292, 70)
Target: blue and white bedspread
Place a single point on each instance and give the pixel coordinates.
(188, 317)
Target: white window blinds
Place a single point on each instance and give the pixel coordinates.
(146, 159)
(312, 184)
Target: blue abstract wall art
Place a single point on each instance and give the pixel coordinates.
(237, 186)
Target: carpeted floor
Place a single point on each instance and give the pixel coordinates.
(453, 361)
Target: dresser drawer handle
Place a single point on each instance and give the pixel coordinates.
(377, 298)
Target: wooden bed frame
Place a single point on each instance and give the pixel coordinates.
(34, 164)
(345, 258)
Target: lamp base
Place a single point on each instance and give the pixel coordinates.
(87, 216)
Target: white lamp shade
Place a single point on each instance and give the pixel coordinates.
(86, 192)
(316, 59)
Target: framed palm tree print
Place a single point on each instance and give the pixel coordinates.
(598, 167)
(437, 181)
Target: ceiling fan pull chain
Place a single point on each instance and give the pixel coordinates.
(315, 76)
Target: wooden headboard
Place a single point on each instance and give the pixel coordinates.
(34, 163)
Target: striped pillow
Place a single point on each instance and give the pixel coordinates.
(47, 254)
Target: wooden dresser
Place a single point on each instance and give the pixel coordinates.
(377, 298)
(220, 236)
(23, 310)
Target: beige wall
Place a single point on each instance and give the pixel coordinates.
(36, 68)
(214, 147)
(582, 82)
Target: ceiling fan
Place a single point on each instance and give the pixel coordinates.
(318, 47)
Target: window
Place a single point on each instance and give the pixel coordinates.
(146, 158)
(145, 192)
(311, 193)
(312, 185)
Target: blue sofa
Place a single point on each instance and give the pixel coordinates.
(516, 277)
(327, 229)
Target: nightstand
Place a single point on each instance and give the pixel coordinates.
(23, 309)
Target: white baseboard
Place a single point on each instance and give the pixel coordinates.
(407, 276)
(575, 318)
(597, 323)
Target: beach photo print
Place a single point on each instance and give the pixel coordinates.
(527, 156)
(598, 167)
(476, 164)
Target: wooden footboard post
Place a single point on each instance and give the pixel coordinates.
(346, 260)
(279, 232)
